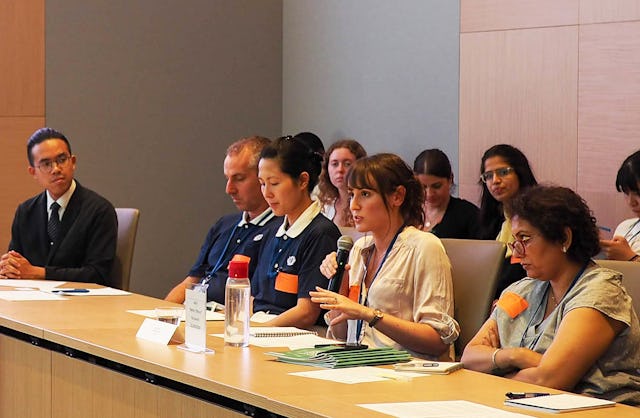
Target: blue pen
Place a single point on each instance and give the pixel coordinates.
(70, 291)
(604, 228)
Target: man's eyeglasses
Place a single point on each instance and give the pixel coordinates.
(519, 246)
(488, 176)
(46, 166)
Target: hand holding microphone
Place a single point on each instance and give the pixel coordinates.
(345, 243)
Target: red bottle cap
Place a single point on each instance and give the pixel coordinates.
(238, 269)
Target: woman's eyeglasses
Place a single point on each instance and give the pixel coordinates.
(520, 245)
(488, 176)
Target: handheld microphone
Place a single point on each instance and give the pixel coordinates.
(345, 243)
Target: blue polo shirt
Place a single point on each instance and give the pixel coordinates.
(231, 235)
(289, 264)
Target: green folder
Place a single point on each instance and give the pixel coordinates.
(334, 358)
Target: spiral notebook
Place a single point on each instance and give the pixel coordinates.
(279, 332)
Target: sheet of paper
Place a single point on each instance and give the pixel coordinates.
(262, 317)
(21, 295)
(156, 331)
(36, 284)
(365, 374)
(298, 341)
(103, 291)
(440, 409)
(150, 313)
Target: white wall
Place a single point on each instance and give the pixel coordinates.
(382, 72)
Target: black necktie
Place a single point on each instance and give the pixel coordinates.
(53, 227)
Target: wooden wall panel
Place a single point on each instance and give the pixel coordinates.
(486, 15)
(18, 184)
(25, 379)
(519, 87)
(22, 63)
(609, 112)
(82, 390)
(597, 11)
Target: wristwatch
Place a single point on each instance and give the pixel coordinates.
(377, 315)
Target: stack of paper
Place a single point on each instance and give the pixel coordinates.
(559, 403)
(332, 357)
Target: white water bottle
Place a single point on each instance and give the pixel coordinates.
(236, 305)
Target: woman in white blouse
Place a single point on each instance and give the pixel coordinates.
(399, 287)
(625, 244)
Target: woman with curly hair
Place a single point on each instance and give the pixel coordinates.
(334, 194)
(570, 324)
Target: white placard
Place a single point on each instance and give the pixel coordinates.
(195, 310)
(156, 331)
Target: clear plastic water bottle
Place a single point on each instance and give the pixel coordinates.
(236, 305)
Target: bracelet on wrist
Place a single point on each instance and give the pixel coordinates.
(634, 258)
(493, 359)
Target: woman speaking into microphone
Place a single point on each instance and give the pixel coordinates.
(400, 291)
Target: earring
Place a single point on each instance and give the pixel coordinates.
(564, 249)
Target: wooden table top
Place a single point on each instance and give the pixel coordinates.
(100, 326)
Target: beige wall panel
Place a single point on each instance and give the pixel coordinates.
(519, 87)
(609, 208)
(84, 390)
(25, 379)
(485, 15)
(19, 185)
(22, 52)
(609, 105)
(597, 11)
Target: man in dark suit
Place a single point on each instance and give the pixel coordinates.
(67, 232)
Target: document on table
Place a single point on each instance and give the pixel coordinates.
(103, 291)
(440, 409)
(364, 374)
(36, 284)
(294, 342)
(151, 313)
(22, 295)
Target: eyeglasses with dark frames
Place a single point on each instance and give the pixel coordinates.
(46, 166)
(519, 246)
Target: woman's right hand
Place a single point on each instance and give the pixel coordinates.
(329, 265)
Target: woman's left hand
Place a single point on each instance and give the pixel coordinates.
(347, 308)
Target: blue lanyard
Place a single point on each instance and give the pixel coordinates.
(219, 264)
(276, 258)
(542, 301)
(366, 299)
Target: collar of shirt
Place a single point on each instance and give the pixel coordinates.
(259, 220)
(63, 200)
(301, 223)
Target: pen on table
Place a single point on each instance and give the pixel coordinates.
(521, 395)
(70, 291)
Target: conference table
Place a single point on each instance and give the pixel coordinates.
(80, 358)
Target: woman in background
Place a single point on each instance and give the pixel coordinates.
(504, 173)
(289, 263)
(399, 287)
(334, 194)
(570, 324)
(625, 244)
(445, 216)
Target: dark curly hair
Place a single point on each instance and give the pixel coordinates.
(551, 209)
(383, 173)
